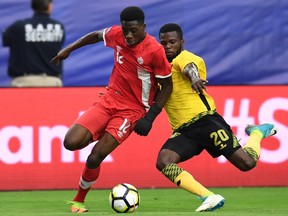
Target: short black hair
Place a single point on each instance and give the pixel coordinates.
(40, 5)
(132, 13)
(170, 27)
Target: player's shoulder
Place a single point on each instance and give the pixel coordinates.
(189, 54)
(152, 43)
(113, 30)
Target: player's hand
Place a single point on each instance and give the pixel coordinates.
(62, 54)
(143, 126)
(199, 85)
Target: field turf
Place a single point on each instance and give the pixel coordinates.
(264, 201)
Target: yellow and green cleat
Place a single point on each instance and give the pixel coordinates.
(77, 207)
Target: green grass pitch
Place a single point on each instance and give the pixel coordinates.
(264, 201)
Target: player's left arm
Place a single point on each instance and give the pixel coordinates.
(163, 74)
(164, 91)
(162, 70)
(191, 71)
(90, 38)
(144, 125)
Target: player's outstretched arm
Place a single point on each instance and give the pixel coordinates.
(192, 73)
(87, 39)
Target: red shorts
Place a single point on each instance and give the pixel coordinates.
(113, 115)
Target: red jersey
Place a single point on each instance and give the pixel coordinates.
(136, 67)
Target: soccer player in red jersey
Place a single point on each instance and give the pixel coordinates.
(132, 100)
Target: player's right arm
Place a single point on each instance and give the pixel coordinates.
(191, 72)
(90, 38)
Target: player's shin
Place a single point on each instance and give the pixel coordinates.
(185, 180)
(88, 178)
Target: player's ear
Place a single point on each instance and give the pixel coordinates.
(144, 26)
(182, 42)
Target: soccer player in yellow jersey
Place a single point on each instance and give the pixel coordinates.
(196, 124)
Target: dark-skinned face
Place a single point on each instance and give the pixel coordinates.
(133, 31)
(172, 44)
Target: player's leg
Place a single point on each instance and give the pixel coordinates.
(178, 149)
(86, 128)
(256, 134)
(175, 150)
(178, 175)
(77, 137)
(246, 158)
(104, 146)
(117, 130)
(90, 174)
(220, 140)
(242, 160)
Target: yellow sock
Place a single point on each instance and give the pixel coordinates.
(254, 141)
(185, 180)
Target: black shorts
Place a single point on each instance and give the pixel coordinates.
(210, 132)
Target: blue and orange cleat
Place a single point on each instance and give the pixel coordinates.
(266, 129)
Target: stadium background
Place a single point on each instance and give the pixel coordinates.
(245, 45)
(243, 42)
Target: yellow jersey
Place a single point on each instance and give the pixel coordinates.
(184, 105)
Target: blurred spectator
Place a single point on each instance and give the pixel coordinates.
(32, 43)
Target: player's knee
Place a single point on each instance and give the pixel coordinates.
(162, 162)
(70, 144)
(165, 158)
(160, 165)
(73, 143)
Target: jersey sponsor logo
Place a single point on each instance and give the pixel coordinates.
(50, 33)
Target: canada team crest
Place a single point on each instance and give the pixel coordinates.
(140, 60)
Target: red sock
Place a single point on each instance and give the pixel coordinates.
(88, 175)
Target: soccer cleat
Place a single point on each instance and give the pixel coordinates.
(266, 129)
(77, 207)
(211, 203)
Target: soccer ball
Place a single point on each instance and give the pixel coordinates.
(124, 198)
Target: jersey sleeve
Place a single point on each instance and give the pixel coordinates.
(202, 69)
(162, 68)
(182, 60)
(109, 35)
